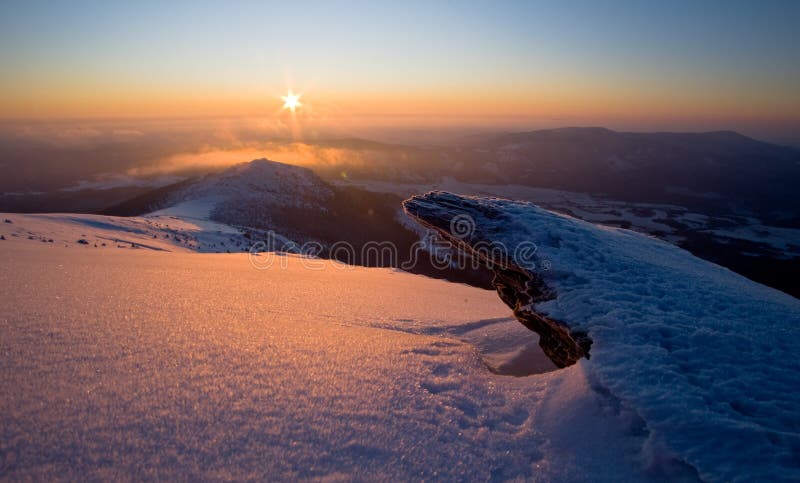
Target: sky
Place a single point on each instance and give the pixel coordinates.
(641, 65)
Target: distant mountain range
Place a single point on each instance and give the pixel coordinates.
(715, 169)
(719, 171)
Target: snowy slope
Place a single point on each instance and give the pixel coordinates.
(245, 194)
(214, 214)
(151, 365)
(218, 213)
(707, 358)
(143, 364)
(160, 231)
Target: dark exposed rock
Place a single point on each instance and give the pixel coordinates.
(517, 286)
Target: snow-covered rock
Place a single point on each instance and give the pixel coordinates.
(517, 285)
(708, 359)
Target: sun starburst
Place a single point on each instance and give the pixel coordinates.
(291, 101)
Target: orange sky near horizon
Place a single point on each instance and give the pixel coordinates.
(599, 104)
(624, 64)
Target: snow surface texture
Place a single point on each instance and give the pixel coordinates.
(141, 364)
(708, 359)
(181, 228)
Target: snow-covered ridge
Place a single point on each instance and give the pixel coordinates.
(273, 182)
(215, 214)
(168, 231)
(707, 358)
(244, 194)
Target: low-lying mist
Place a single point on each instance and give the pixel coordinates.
(37, 157)
(46, 156)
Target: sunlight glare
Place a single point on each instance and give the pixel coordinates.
(291, 101)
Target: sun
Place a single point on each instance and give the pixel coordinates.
(291, 101)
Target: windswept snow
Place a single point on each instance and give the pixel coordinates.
(165, 232)
(144, 364)
(152, 365)
(706, 358)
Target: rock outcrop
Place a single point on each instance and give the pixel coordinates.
(705, 358)
(472, 227)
